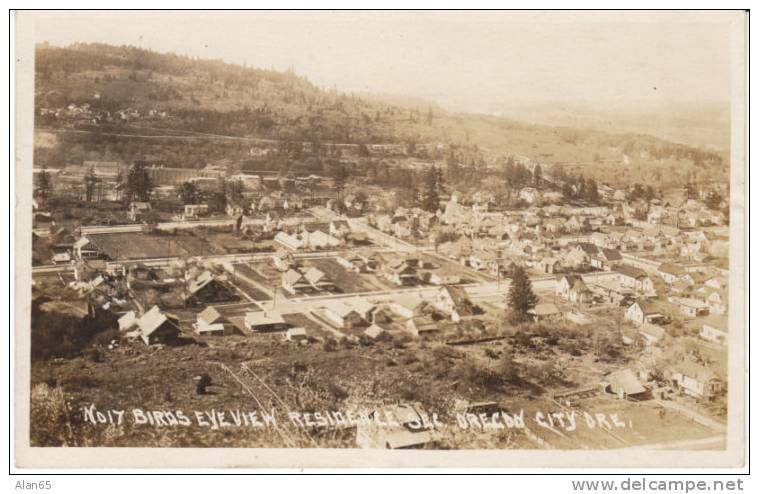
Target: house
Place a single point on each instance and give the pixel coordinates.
(670, 272)
(318, 279)
(549, 265)
(574, 224)
(158, 327)
(210, 322)
(294, 282)
(565, 283)
(288, 241)
(420, 325)
(714, 329)
(642, 312)
(319, 240)
(207, 288)
(296, 335)
(717, 301)
(400, 272)
(283, 259)
(455, 302)
(635, 278)
(342, 314)
(692, 307)
(625, 384)
(442, 277)
(545, 311)
(402, 426)
(84, 249)
(696, 380)
(193, 211)
(606, 259)
(262, 321)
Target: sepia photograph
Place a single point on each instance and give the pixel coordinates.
(324, 238)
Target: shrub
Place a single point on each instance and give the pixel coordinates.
(330, 344)
(338, 391)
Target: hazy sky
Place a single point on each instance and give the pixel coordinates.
(467, 61)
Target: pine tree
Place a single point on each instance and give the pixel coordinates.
(521, 297)
(537, 176)
(43, 184)
(89, 185)
(432, 190)
(340, 177)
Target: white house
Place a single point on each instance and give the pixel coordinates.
(210, 322)
(644, 312)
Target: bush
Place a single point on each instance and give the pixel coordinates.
(400, 341)
(48, 417)
(330, 344)
(104, 338)
(338, 391)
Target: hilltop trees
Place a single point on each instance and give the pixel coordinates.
(521, 298)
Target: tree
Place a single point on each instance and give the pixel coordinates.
(431, 201)
(521, 298)
(537, 176)
(189, 193)
(89, 185)
(714, 200)
(203, 382)
(217, 203)
(43, 184)
(138, 184)
(591, 192)
(340, 177)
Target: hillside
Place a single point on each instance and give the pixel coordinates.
(188, 112)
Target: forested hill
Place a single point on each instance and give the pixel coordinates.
(132, 90)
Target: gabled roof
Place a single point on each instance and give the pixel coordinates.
(588, 248)
(314, 275)
(210, 315)
(458, 296)
(291, 277)
(695, 371)
(631, 271)
(200, 281)
(263, 318)
(373, 331)
(647, 307)
(670, 268)
(154, 319)
(571, 279)
(611, 254)
(127, 321)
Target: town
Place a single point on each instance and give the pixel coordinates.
(410, 279)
